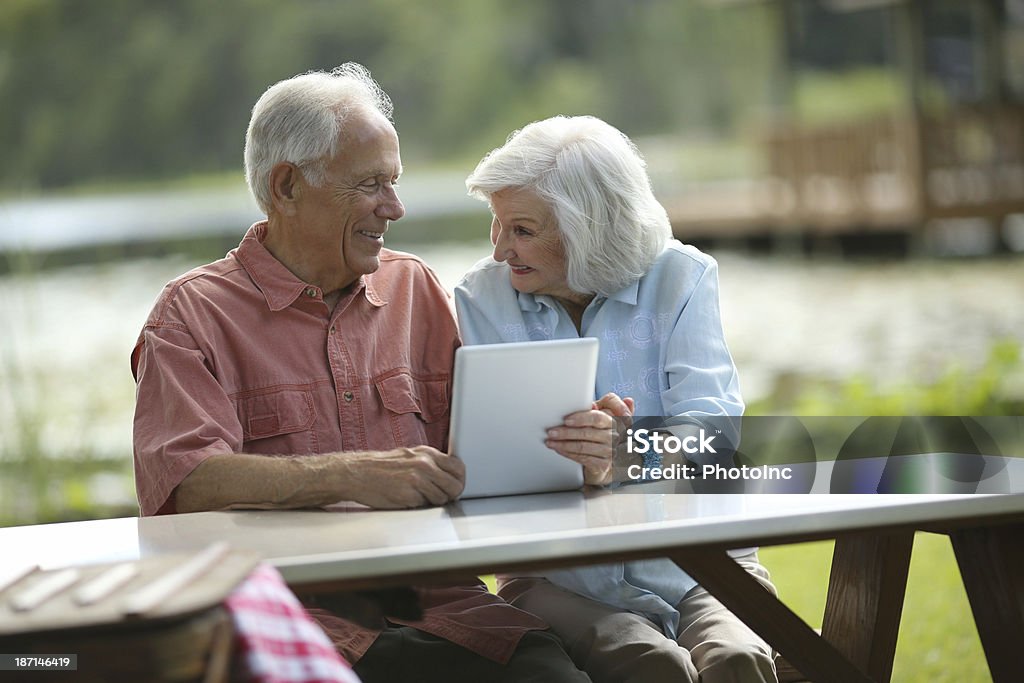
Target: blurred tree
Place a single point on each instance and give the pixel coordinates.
(128, 89)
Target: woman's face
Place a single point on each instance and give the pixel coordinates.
(525, 235)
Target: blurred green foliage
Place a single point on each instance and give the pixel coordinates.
(115, 90)
(826, 98)
(996, 388)
(123, 89)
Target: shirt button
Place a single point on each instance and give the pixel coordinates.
(348, 396)
(332, 329)
(310, 292)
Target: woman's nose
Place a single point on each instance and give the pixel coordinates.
(502, 246)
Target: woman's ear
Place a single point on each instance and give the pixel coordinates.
(285, 187)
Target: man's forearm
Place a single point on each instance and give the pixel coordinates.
(242, 480)
(398, 478)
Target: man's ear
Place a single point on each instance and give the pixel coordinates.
(285, 187)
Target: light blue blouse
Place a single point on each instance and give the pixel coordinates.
(662, 344)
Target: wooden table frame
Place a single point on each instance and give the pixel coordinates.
(864, 605)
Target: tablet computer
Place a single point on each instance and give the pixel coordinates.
(505, 397)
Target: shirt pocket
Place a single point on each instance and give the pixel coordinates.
(417, 408)
(277, 421)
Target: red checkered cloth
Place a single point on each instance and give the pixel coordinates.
(275, 640)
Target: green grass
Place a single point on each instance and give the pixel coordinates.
(937, 639)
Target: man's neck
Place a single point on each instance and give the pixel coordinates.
(296, 261)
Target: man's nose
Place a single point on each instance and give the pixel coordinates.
(391, 206)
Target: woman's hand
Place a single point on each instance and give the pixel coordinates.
(588, 437)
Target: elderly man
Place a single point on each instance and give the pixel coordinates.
(311, 366)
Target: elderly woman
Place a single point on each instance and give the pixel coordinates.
(582, 248)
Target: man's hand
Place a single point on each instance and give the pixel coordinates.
(588, 437)
(402, 478)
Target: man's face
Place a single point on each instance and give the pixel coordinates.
(342, 222)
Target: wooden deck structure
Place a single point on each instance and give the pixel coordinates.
(904, 172)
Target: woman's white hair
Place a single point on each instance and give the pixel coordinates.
(299, 119)
(596, 183)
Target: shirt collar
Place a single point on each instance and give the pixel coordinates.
(629, 294)
(279, 285)
(531, 303)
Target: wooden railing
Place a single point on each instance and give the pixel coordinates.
(974, 161)
(897, 172)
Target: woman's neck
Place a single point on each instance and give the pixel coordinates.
(574, 305)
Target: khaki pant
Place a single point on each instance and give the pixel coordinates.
(615, 646)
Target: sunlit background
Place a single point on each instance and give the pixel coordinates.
(856, 166)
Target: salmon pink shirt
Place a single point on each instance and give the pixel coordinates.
(241, 356)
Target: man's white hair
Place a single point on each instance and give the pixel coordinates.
(596, 183)
(299, 119)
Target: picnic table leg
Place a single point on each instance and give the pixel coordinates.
(814, 656)
(991, 564)
(866, 588)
